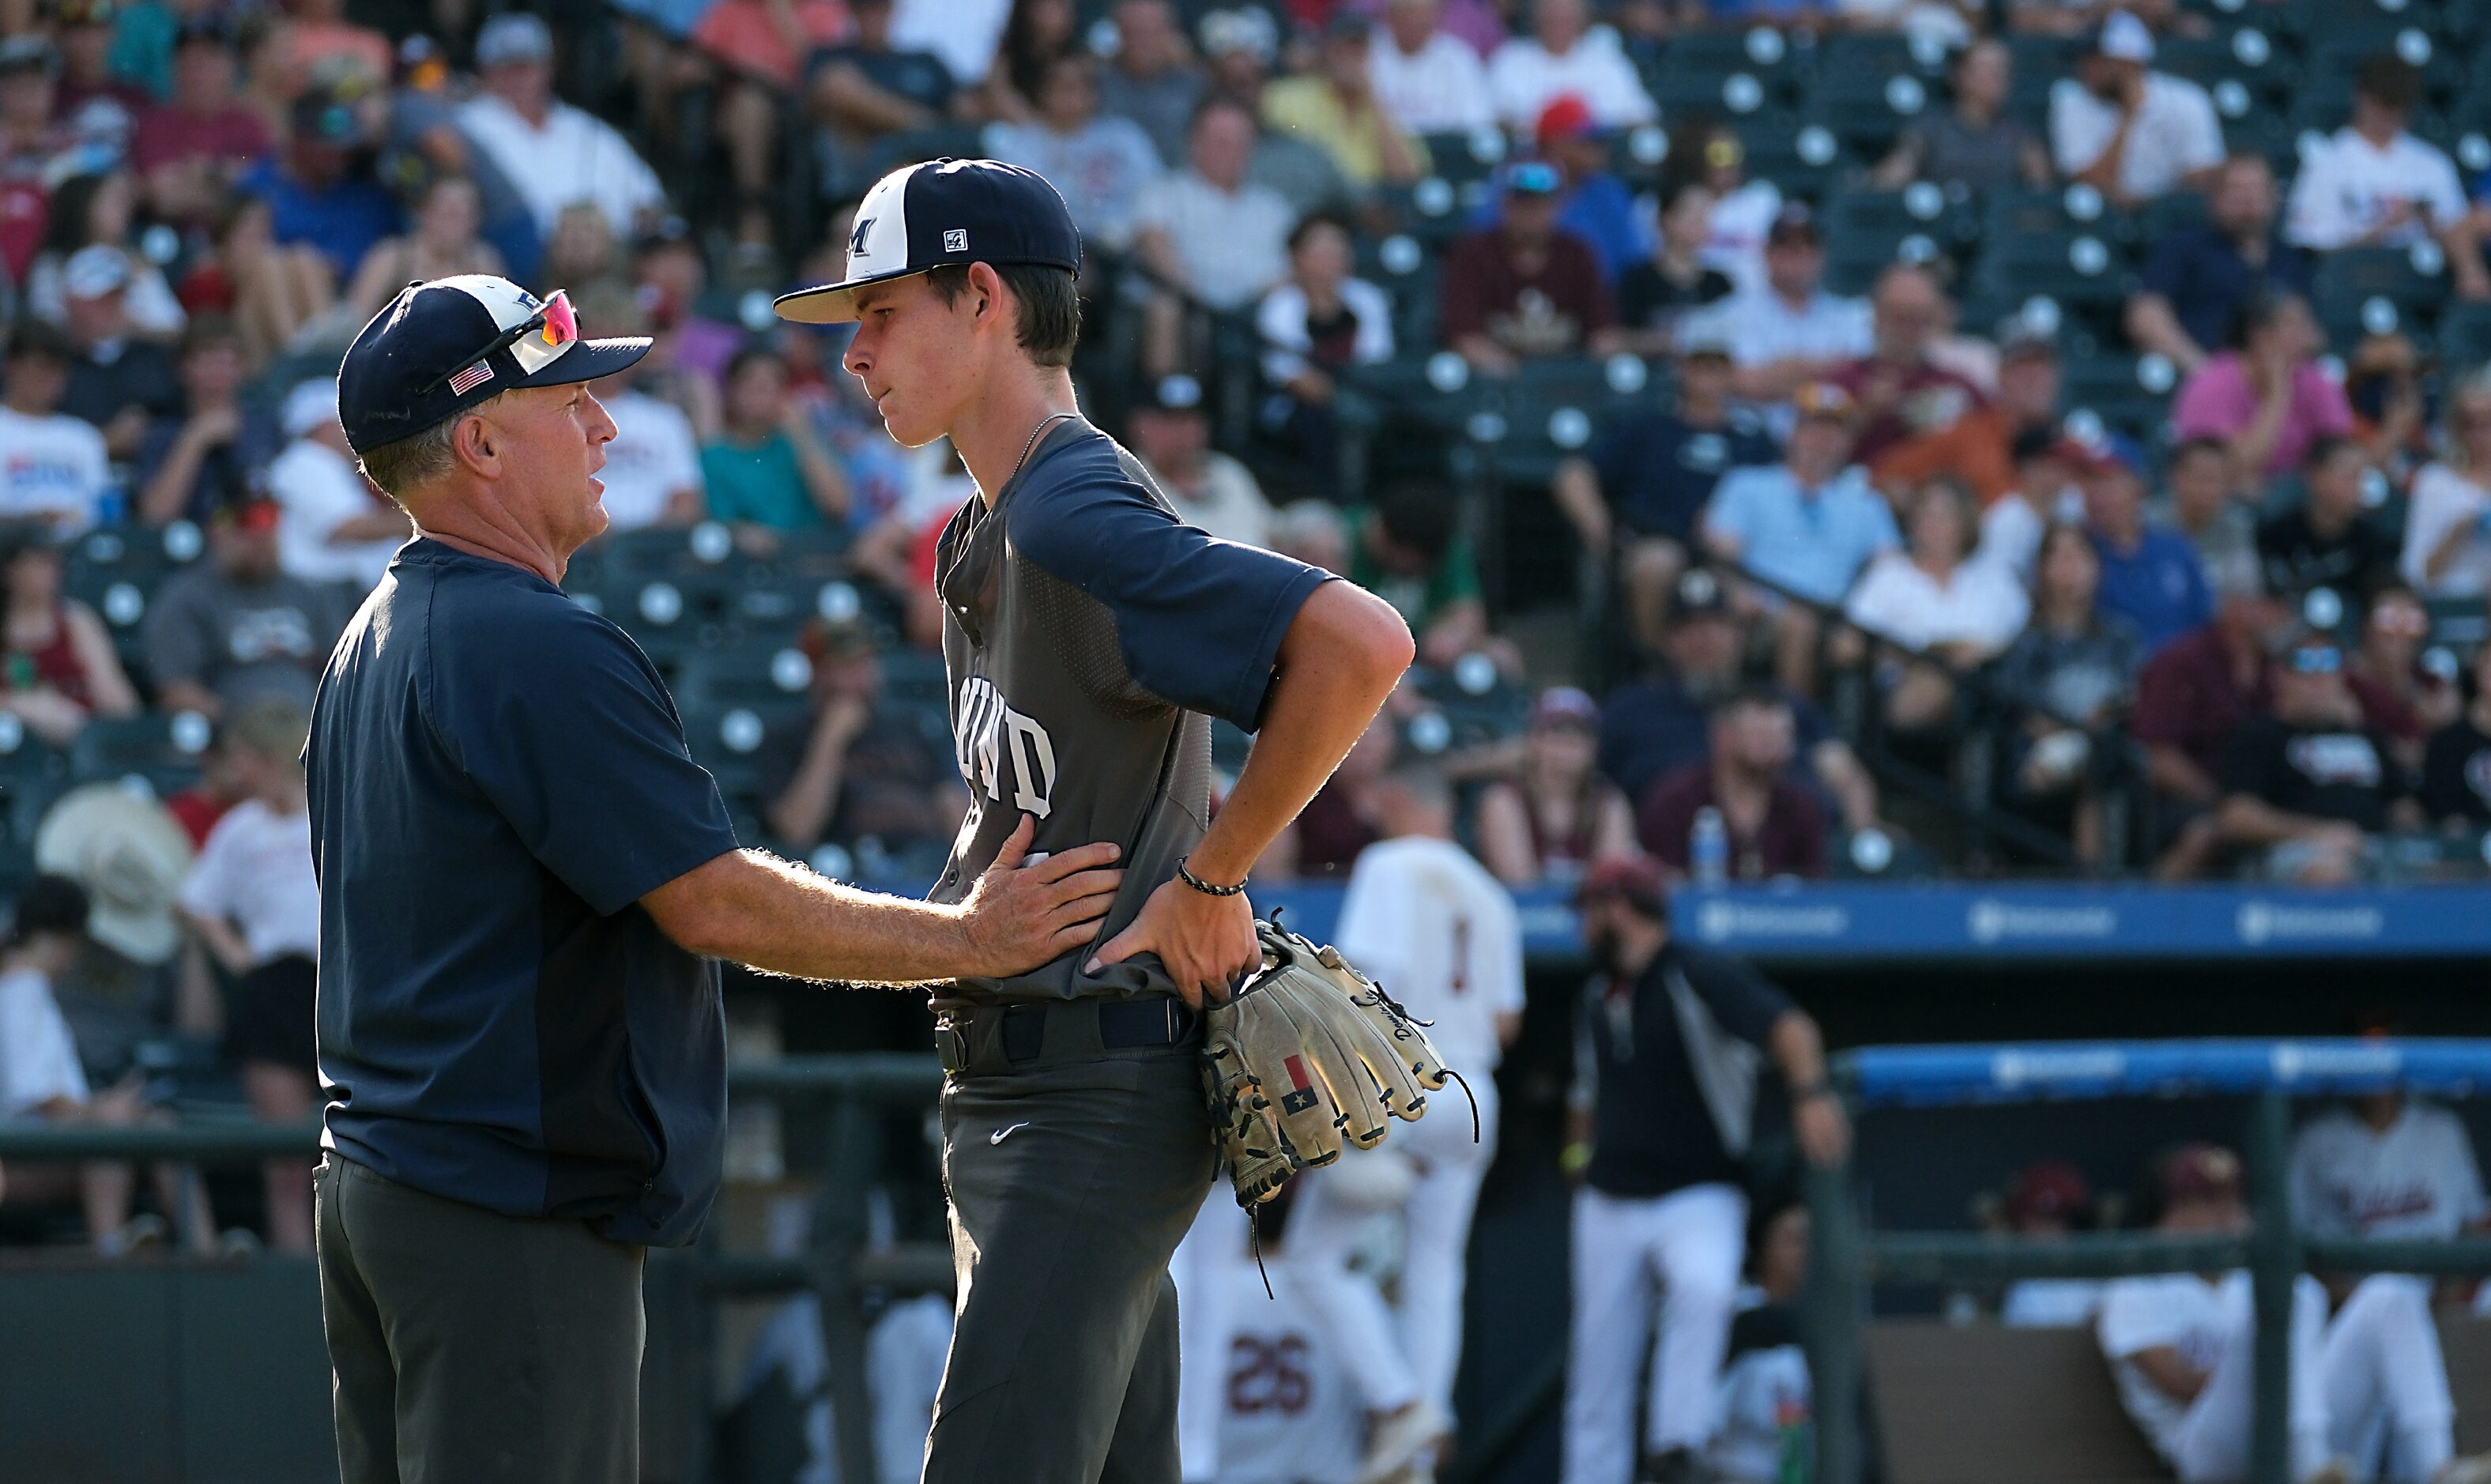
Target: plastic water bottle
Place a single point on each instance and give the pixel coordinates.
(1708, 848)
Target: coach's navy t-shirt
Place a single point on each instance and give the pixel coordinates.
(497, 776)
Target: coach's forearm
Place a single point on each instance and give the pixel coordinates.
(778, 918)
(1342, 656)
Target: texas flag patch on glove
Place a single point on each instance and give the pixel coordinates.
(1302, 1095)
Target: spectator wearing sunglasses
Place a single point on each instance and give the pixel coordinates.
(2309, 785)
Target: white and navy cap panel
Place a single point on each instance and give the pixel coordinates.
(943, 212)
(443, 346)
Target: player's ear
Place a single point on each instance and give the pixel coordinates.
(988, 286)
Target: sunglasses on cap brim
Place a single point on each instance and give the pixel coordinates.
(535, 342)
(2315, 659)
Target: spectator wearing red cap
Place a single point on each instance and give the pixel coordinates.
(1334, 109)
(1659, 1123)
(2049, 1199)
(1556, 815)
(235, 630)
(1425, 78)
(1594, 205)
(1563, 54)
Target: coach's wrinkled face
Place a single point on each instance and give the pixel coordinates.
(550, 441)
(912, 352)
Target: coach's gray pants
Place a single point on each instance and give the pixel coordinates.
(1072, 1182)
(469, 1346)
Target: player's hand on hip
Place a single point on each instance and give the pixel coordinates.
(1025, 913)
(1207, 943)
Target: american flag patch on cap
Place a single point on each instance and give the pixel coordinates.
(471, 378)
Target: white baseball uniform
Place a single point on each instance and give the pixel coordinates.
(1203, 1267)
(1766, 1396)
(1442, 937)
(2041, 1303)
(2416, 1178)
(2372, 1376)
(1290, 1412)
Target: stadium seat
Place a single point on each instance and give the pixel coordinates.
(2465, 335)
(160, 747)
(1865, 231)
(2039, 62)
(2083, 273)
(1803, 160)
(1724, 74)
(2242, 69)
(1868, 89)
(1459, 159)
(2130, 395)
(2377, 290)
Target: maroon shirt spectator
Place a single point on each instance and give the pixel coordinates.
(84, 31)
(1524, 287)
(1776, 828)
(204, 126)
(2194, 694)
(1902, 394)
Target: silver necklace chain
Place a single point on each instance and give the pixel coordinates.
(1026, 448)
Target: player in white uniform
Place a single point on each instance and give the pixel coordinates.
(1442, 935)
(2050, 1199)
(1290, 1410)
(2369, 1382)
(2385, 1166)
(1204, 1269)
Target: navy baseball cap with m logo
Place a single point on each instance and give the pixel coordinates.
(943, 213)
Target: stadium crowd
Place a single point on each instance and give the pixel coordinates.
(2083, 407)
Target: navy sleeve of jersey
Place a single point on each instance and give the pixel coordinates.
(1199, 620)
(559, 720)
(1745, 1002)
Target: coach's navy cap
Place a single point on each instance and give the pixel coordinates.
(443, 346)
(943, 212)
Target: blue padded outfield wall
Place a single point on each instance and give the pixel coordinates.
(1860, 922)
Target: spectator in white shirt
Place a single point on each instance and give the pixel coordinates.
(252, 901)
(1425, 79)
(1100, 164)
(2372, 185)
(336, 527)
(2447, 531)
(41, 1082)
(1936, 600)
(2129, 132)
(1211, 491)
(1563, 54)
(552, 153)
(1789, 331)
(53, 467)
(652, 474)
(1207, 231)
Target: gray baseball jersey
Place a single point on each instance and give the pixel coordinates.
(1090, 636)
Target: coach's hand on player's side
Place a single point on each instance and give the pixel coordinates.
(1024, 913)
(1206, 942)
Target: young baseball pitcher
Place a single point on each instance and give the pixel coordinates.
(1090, 638)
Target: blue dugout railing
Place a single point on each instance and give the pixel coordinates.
(1848, 1260)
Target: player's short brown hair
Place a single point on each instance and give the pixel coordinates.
(1050, 305)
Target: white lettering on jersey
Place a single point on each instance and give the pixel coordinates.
(990, 739)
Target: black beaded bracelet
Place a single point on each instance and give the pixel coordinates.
(1204, 887)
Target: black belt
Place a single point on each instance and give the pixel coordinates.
(979, 1037)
